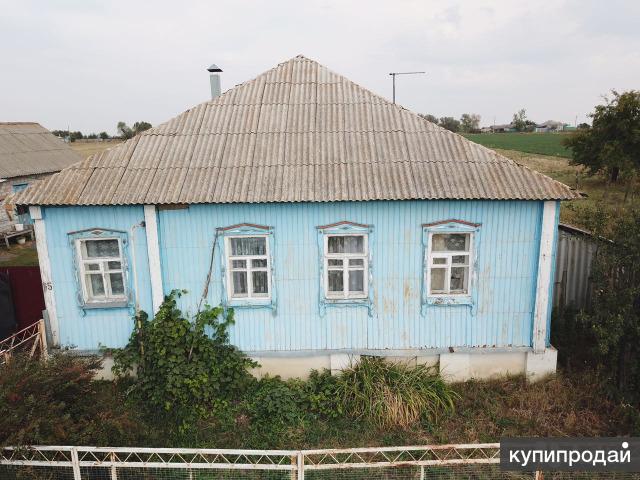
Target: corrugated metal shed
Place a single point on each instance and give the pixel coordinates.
(297, 133)
(27, 148)
(576, 251)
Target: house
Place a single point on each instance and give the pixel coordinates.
(334, 222)
(505, 128)
(550, 126)
(29, 153)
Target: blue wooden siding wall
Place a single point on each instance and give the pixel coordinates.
(506, 274)
(90, 329)
(507, 269)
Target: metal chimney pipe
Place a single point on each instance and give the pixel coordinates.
(214, 78)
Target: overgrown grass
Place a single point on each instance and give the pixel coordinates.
(56, 403)
(540, 143)
(393, 394)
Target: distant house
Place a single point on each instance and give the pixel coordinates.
(550, 126)
(505, 128)
(29, 153)
(336, 224)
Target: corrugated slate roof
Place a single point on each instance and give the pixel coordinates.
(26, 148)
(297, 133)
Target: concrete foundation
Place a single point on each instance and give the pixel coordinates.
(540, 365)
(455, 365)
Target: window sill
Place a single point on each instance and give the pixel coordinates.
(340, 301)
(98, 305)
(447, 300)
(262, 303)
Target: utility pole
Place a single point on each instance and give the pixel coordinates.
(393, 75)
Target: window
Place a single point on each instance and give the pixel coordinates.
(449, 263)
(18, 187)
(248, 267)
(101, 270)
(346, 266)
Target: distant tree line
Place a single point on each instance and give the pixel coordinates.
(124, 131)
(468, 123)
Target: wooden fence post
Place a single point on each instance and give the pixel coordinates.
(42, 330)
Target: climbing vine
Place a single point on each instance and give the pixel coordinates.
(185, 369)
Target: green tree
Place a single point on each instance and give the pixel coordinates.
(612, 145)
(104, 136)
(140, 127)
(613, 321)
(127, 132)
(520, 120)
(124, 131)
(429, 118)
(450, 123)
(470, 123)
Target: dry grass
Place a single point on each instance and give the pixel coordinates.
(595, 187)
(557, 407)
(19, 255)
(87, 149)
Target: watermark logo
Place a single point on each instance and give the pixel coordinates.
(570, 454)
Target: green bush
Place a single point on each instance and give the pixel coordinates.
(320, 395)
(393, 394)
(184, 367)
(56, 402)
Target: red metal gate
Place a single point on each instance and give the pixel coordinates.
(26, 290)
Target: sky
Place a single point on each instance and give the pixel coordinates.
(89, 64)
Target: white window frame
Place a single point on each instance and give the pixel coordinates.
(345, 257)
(249, 296)
(104, 270)
(448, 255)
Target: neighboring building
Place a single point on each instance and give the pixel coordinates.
(29, 153)
(505, 128)
(550, 126)
(336, 224)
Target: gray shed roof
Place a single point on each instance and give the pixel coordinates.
(297, 133)
(27, 148)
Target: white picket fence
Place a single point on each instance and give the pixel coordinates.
(419, 462)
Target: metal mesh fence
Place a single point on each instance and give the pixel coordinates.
(469, 462)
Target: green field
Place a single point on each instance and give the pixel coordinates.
(540, 143)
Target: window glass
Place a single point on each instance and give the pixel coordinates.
(248, 246)
(336, 281)
(437, 279)
(117, 283)
(356, 281)
(450, 242)
(102, 248)
(346, 244)
(240, 283)
(260, 283)
(458, 279)
(96, 284)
